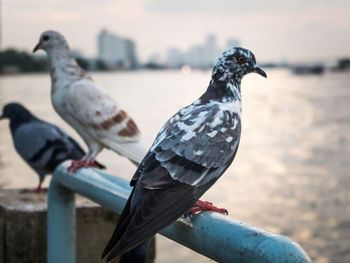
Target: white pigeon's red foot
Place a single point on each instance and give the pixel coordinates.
(200, 206)
(77, 164)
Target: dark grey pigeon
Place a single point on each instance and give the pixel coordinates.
(192, 150)
(42, 145)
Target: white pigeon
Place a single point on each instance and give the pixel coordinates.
(87, 107)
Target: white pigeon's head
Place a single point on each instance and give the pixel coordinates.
(50, 39)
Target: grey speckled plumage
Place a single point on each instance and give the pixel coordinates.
(42, 145)
(192, 150)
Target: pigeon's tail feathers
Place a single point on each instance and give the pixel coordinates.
(100, 166)
(134, 151)
(120, 228)
(78, 151)
(137, 254)
(159, 209)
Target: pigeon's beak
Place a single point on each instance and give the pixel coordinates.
(258, 70)
(38, 46)
(2, 116)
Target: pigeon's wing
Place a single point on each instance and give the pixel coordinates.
(192, 145)
(90, 105)
(104, 120)
(41, 145)
(177, 170)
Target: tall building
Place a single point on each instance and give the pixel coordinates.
(195, 57)
(131, 53)
(211, 51)
(115, 51)
(175, 58)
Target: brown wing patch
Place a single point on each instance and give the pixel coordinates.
(116, 119)
(130, 130)
(120, 116)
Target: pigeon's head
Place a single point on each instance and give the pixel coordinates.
(50, 39)
(14, 111)
(234, 63)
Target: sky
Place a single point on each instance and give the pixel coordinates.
(296, 31)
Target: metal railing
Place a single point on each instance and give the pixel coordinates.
(216, 236)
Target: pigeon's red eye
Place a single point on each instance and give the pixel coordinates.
(241, 59)
(46, 38)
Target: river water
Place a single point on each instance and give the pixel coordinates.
(291, 174)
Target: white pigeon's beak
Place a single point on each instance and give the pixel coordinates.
(38, 46)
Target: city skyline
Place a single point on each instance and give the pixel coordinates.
(275, 31)
(202, 55)
(119, 52)
(116, 51)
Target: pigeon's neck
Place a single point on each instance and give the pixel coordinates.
(223, 86)
(63, 66)
(19, 119)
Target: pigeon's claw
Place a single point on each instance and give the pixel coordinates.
(77, 164)
(200, 206)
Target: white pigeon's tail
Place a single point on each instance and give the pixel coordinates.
(134, 151)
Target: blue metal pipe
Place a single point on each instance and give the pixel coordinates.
(216, 236)
(61, 224)
(227, 240)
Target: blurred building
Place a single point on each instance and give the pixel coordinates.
(211, 51)
(115, 51)
(175, 58)
(200, 56)
(194, 57)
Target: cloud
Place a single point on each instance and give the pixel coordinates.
(227, 7)
(273, 29)
(203, 6)
(66, 16)
(126, 10)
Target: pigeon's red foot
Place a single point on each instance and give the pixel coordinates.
(200, 206)
(77, 164)
(37, 190)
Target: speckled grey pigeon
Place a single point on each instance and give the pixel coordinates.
(190, 153)
(87, 107)
(42, 145)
